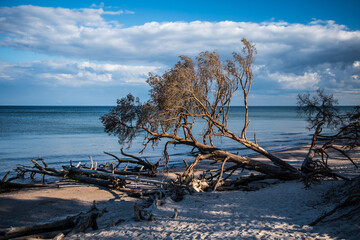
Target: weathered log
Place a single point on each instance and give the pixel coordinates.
(110, 175)
(55, 235)
(77, 223)
(249, 179)
(10, 185)
(91, 180)
(123, 172)
(15, 232)
(85, 221)
(138, 193)
(141, 214)
(47, 170)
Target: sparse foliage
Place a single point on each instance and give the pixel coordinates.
(320, 111)
(201, 90)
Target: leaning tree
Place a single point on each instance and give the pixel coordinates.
(201, 90)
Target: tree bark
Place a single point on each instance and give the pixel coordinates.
(77, 223)
(106, 175)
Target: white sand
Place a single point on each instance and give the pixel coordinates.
(280, 211)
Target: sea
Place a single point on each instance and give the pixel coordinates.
(60, 134)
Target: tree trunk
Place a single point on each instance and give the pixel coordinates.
(105, 175)
(78, 223)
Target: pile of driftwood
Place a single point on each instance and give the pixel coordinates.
(107, 175)
(128, 180)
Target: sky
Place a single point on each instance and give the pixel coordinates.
(93, 52)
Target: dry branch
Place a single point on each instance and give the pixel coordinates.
(148, 165)
(7, 185)
(106, 175)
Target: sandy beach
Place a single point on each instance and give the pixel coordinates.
(278, 210)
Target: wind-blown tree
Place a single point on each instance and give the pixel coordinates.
(188, 94)
(320, 111)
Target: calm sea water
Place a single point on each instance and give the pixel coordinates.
(60, 134)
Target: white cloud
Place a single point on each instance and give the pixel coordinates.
(292, 81)
(84, 33)
(75, 74)
(101, 5)
(78, 79)
(295, 56)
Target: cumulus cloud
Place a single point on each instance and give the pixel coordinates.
(292, 81)
(294, 56)
(85, 33)
(74, 73)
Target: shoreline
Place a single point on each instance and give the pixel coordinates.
(235, 213)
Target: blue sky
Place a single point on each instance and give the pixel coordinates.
(93, 52)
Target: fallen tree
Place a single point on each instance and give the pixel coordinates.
(57, 229)
(196, 93)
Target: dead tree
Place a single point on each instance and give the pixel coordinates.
(190, 93)
(187, 93)
(320, 111)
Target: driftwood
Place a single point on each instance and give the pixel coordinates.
(125, 172)
(249, 179)
(141, 214)
(106, 175)
(94, 181)
(114, 178)
(7, 185)
(136, 160)
(67, 227)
